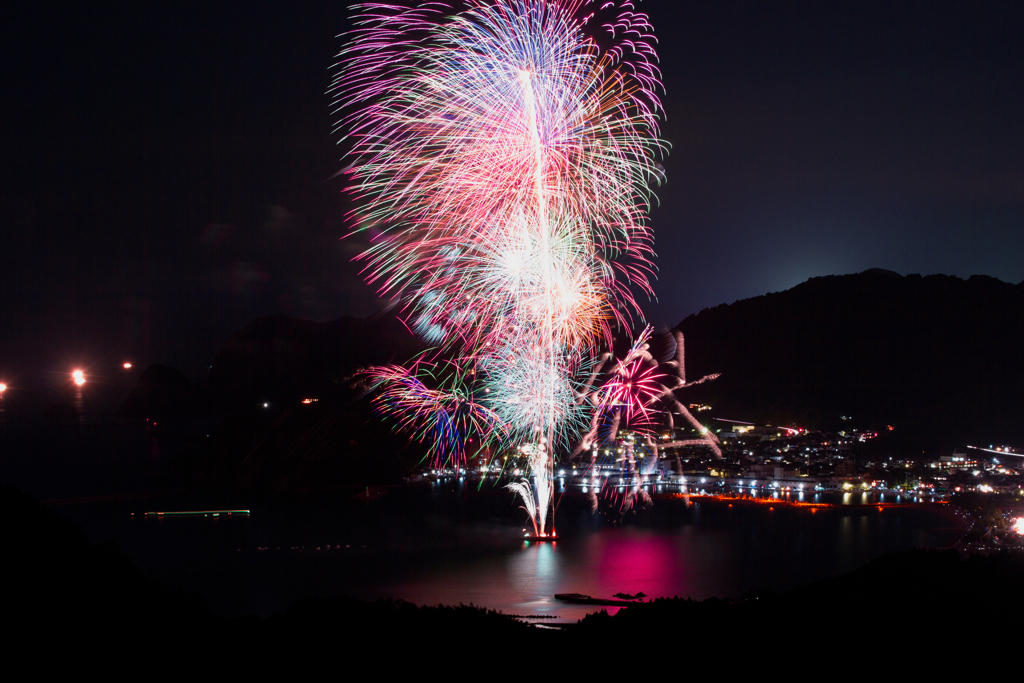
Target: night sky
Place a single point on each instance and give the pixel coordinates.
(168, 171)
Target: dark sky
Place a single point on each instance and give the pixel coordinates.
(167, 169)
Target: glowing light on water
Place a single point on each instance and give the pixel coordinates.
(78, 377)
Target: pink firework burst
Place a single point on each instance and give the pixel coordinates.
(633, 388)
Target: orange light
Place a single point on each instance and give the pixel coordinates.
(746, 498)
(127, 365)
(78, 377)
(3, 387)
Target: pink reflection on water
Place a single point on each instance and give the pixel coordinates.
(620, 560)
(635, 561)
(631, 564)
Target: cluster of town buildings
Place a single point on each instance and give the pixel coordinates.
(772, 457)
(791, 457)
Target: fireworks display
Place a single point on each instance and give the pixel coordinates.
(626, 398)
(501, 157)
(636, 385)
(445, 419)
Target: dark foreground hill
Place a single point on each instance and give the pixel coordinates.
(937, 357)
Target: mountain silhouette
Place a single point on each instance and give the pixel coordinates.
(937, 357)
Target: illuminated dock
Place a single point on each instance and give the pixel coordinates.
(198, 513)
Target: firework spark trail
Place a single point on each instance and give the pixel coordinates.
(635, 384)
(503, 154)
(442, 418)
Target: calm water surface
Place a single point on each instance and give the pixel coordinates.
(446, 544)
(450, 547)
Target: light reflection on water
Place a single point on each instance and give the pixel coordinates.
(429, 550)
(706, 549)
(709, 555)
(623, 559)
